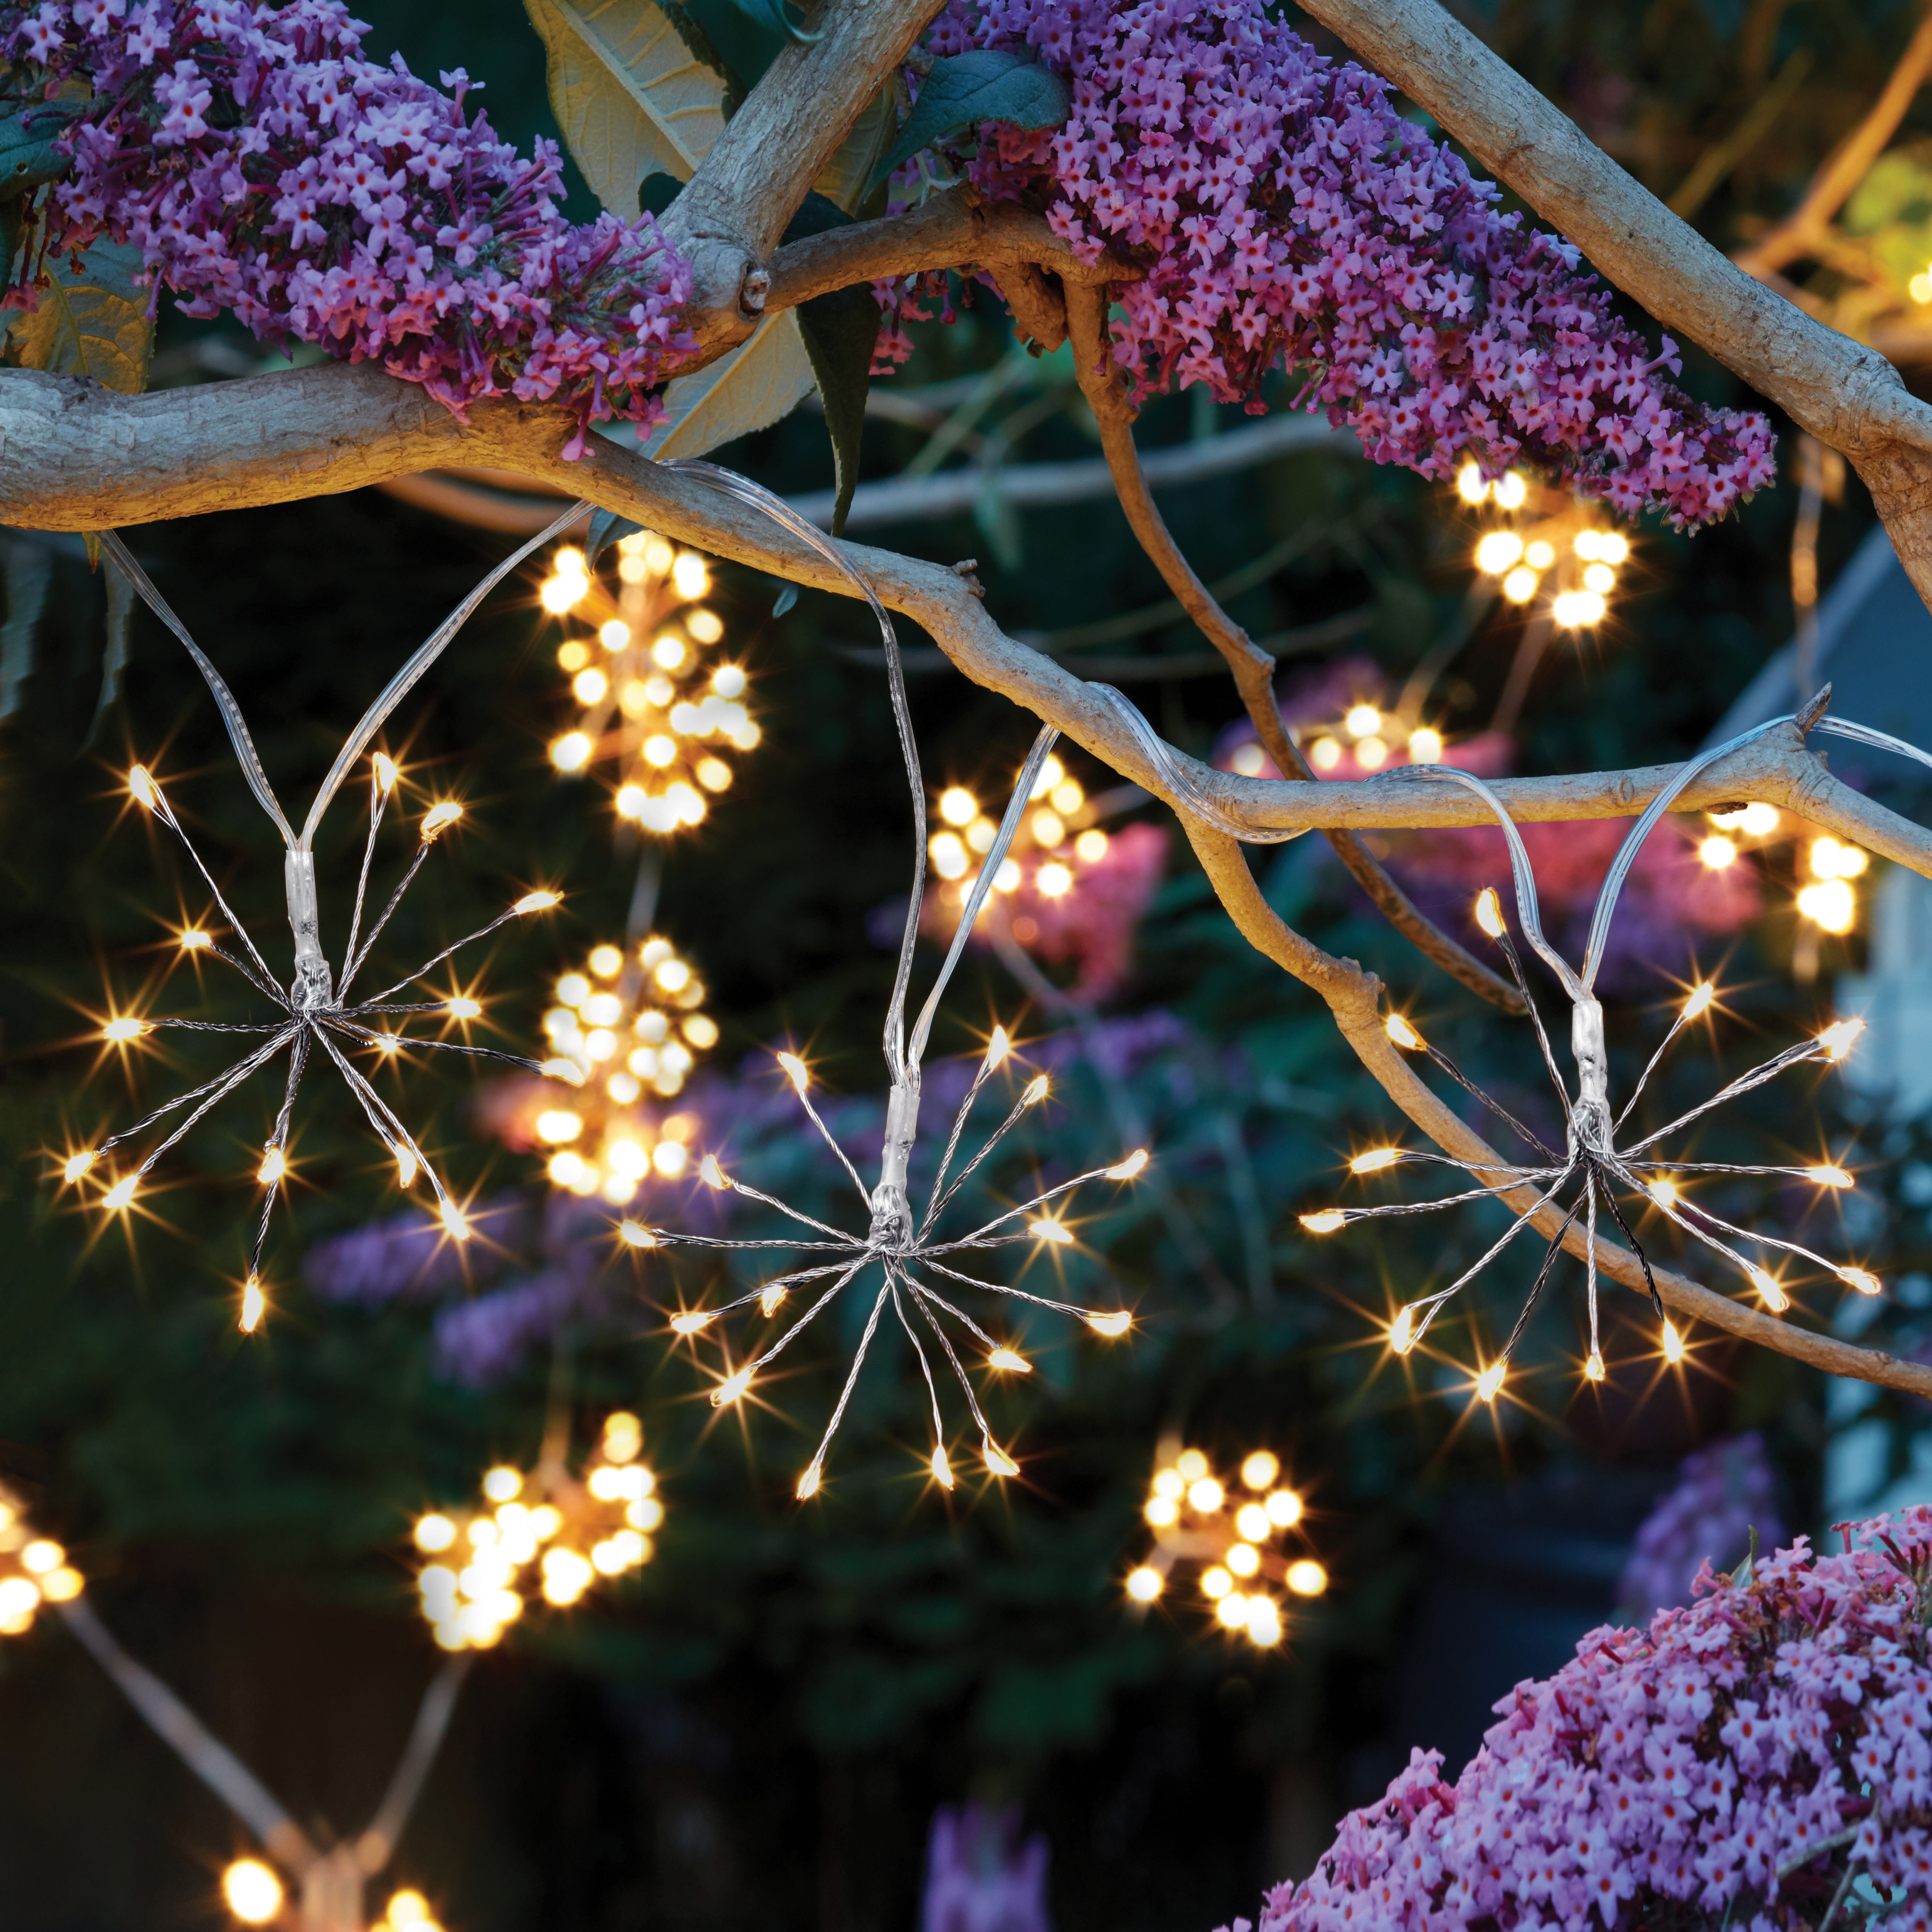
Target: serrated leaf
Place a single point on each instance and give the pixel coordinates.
(848, 176)
(760, 381)
(631, 97)
(92, 321)
(985, 84)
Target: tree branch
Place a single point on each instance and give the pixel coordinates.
(1846, 166)
(1846, 395)
(377, 1845)
(727, 219)
(1252, 667)
(233, 444)
(953, 230)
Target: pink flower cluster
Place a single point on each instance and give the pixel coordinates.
(1729, 1764)
(1284, 214)
(261, 164)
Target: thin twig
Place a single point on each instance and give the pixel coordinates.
(1252, 668)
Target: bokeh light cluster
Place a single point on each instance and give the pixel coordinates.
(546, 1534)
(1546, 548)
(1231, 1537)
(1823, 867)
(34, 1570)
(654, 705)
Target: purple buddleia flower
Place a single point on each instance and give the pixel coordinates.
(979, 1877)
(1722, 1493)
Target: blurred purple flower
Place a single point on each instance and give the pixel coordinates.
(979, 1877)
(1722, 1493)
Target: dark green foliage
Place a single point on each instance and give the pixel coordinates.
(984, 84)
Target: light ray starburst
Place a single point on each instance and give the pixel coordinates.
(909, 1266)
(1589, 1175)
(313, 1017)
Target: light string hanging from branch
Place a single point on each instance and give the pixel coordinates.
(1592, 1169)
(315, 1012)
(903, 1243)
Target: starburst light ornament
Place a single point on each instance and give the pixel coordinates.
(653, 703)
(1231, 1534)
(314, 1014)
(903, 1247)
(570, 1530)
(1591, 1171)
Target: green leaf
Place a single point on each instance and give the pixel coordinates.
(114, 658)
(30, 571)
(92, 322)
(840, 330)
(848, 177)
(606, 527)
(632, 97)
(965, 89)
(28, 157)
(760, 381)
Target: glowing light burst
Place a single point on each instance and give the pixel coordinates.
(916, 1272)
(651, 701)
(314, 1016)
(34, 1570)
(1592, 1171)
(546, 1533)
(1544, 547)
(1231, 1535)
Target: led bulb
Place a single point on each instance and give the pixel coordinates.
(997, 1048)
(1425, 745)
(1036, 1090)
(275, 1165)
(1490, 1381)
(460, 1008)
(143, 787)
(194, 939)
(455, 1221)
(120, 1031)
(77, 1164)
(1324, 1223)
(1489, 912)
(1402, 1331)
(1126, 1170)
(771, 1299)
(1662, 1191)
(1825, 1175)
(1837, 1039)
(1769, 1292)
(1045, 1228)
(1858, 1278)
(1306, 1578)
(405, 1167)
(1593, 1369)
(118, 1196)
(1260, 1467)
(730, 1388)
(1673, 1342)
(795, 1067)
(440, 818)
(807, 1484)
(636, 1235)
(1700, 1000)
(1009, 1358)
(1143, 1585)
(1375, 1160)
(252, 1891)
(1404, 1035)
(999, 1463)
(711, 1174)
(942, 1470)
(537, 901)
(692, 1320)
(1113, 1322)
(254, 1304)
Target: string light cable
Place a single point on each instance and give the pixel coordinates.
(1592, 1171)
(314, 1016)
(903, 1244)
